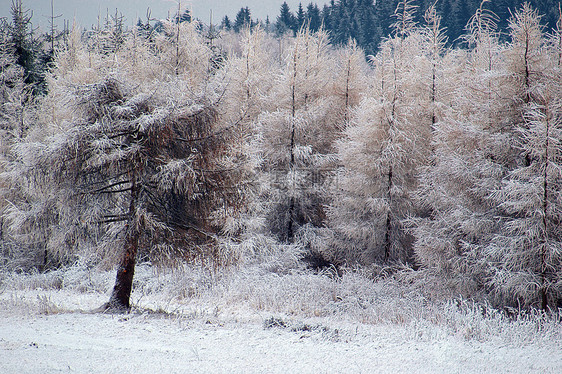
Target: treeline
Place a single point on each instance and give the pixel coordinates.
(33, 53)
(369, 21)
(174, 144)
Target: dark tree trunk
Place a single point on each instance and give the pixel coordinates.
(388, 233)
(544, 299)
(290, 228)
(120, 297)
(290, 224)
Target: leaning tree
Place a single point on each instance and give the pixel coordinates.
(129, 160)
(132, 173)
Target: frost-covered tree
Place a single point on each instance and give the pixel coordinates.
(524, 253)
(555, 41)
(133, 164)
(471, 151)
(382, 148)
(247, 70)
(135, 172)
(51, 111)
(489, 191)
(435, 41)
(183, 53)
(296, 135)
(343, 96)
(248, 75)
(350, 83)
(112, 35)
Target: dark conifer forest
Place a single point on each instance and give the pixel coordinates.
(369, 21)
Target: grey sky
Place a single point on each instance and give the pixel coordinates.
(86, 11)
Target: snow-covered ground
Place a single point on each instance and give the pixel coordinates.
(45, 327)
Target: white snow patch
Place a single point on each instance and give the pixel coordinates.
(49, 329)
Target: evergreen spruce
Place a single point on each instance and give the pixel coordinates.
(225, 24)
(313, 17)
(243, 19)
(25, 46)
(286, 21)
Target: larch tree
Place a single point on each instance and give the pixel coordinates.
(136, 166)
(435, 42)
(248, 75)
(345, 93)
(294, 135)
(183, 53)
(524, 254)
(350, 83)
(472, 150)
(138, 46)
(381, 149)
(491, 199)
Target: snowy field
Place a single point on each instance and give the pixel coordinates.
(259, 322)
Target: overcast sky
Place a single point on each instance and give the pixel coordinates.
(86, 11)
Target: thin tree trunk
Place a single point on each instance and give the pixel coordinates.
(290, 224)
(543, 289)
(347, 89)
(433, 91)
(391, 123)
(388, 233)
(176, 68)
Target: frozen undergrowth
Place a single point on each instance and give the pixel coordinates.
(289, 297)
